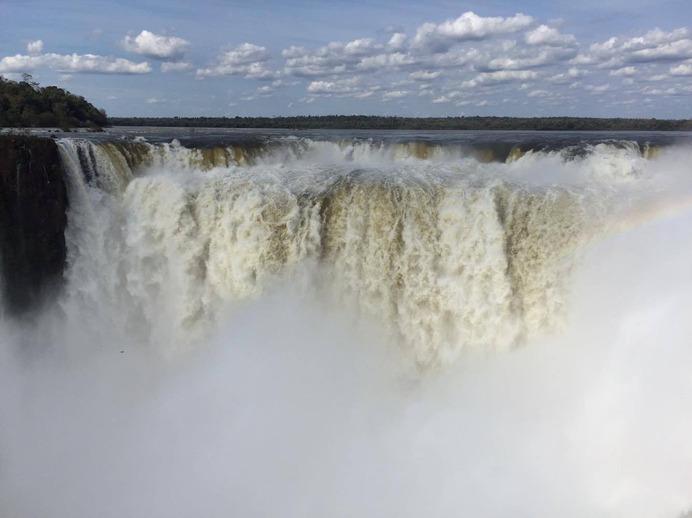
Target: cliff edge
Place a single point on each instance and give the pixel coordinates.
(33, 217)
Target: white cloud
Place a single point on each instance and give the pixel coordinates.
(397, 42)
(73, 63)
(261, 92)
(386, 62)
(154, 46)
(155, 100)
(34, 47)
(598, 89)
(653, 47)
(294, 52)
(540, 93)
(360, 47)
(244, 54)
(175, 66)
(463, 61)
(433, 58)
(569, 76)
(425, 75)
(247, 60)
(544, 35)
(659, 91)
(676, 50)
(683, 69)
(339, 58)
(332, 87)
(350, 87)
(522, 60)
(396, 94)
(624, 71)
(500, 77)
(468, 26)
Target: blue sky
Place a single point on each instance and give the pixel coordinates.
(293, 57)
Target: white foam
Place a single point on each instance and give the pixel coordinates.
(298, 399)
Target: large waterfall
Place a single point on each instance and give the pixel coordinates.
(320, 325)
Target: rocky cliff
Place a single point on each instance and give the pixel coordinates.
(33, 216)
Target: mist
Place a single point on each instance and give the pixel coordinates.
(286, 399)
(294, 409)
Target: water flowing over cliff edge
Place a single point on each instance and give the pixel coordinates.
(443, 245)
(454, 322)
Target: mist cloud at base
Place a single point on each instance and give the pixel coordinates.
(295, 410)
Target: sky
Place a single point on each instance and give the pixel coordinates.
(602, 58)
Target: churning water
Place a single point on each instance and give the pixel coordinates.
(383, 325)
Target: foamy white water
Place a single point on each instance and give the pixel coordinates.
(393, 334)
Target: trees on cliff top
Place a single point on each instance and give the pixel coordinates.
(25, 104)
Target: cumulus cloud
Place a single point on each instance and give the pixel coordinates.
(540, 93)
(395, 61)
(440, 59)
(394, 94)
(397, 42)
(247, 60)
(523, 59)
(425, 75)
(648, 90)
(569, 76)
(544, 35)
(334, 58)
(598, 89)
(154, 46)
(466, 50)
(175, 66)
(652, 47)
(683, 69)
(73, 63)
(624, 71)
(465, 61)
(260, 93)
(468, 26)
(333, 87)
(500, 77)
(672, 51)
(351, 87)
(34, 47)
(360, 47)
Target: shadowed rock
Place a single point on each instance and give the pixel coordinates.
(33, 205)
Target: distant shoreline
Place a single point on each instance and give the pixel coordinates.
(354, 122)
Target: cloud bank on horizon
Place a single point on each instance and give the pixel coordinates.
(387, 58)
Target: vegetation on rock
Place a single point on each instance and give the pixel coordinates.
(412, 123)
(25, 104)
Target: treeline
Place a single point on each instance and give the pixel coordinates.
(412, 123)
(25, 104)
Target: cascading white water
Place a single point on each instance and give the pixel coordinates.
(444, 257)
(303, 285)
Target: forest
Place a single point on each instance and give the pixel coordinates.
(413, 123)
(25, 104)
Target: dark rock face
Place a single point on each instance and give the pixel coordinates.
(33, 216)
